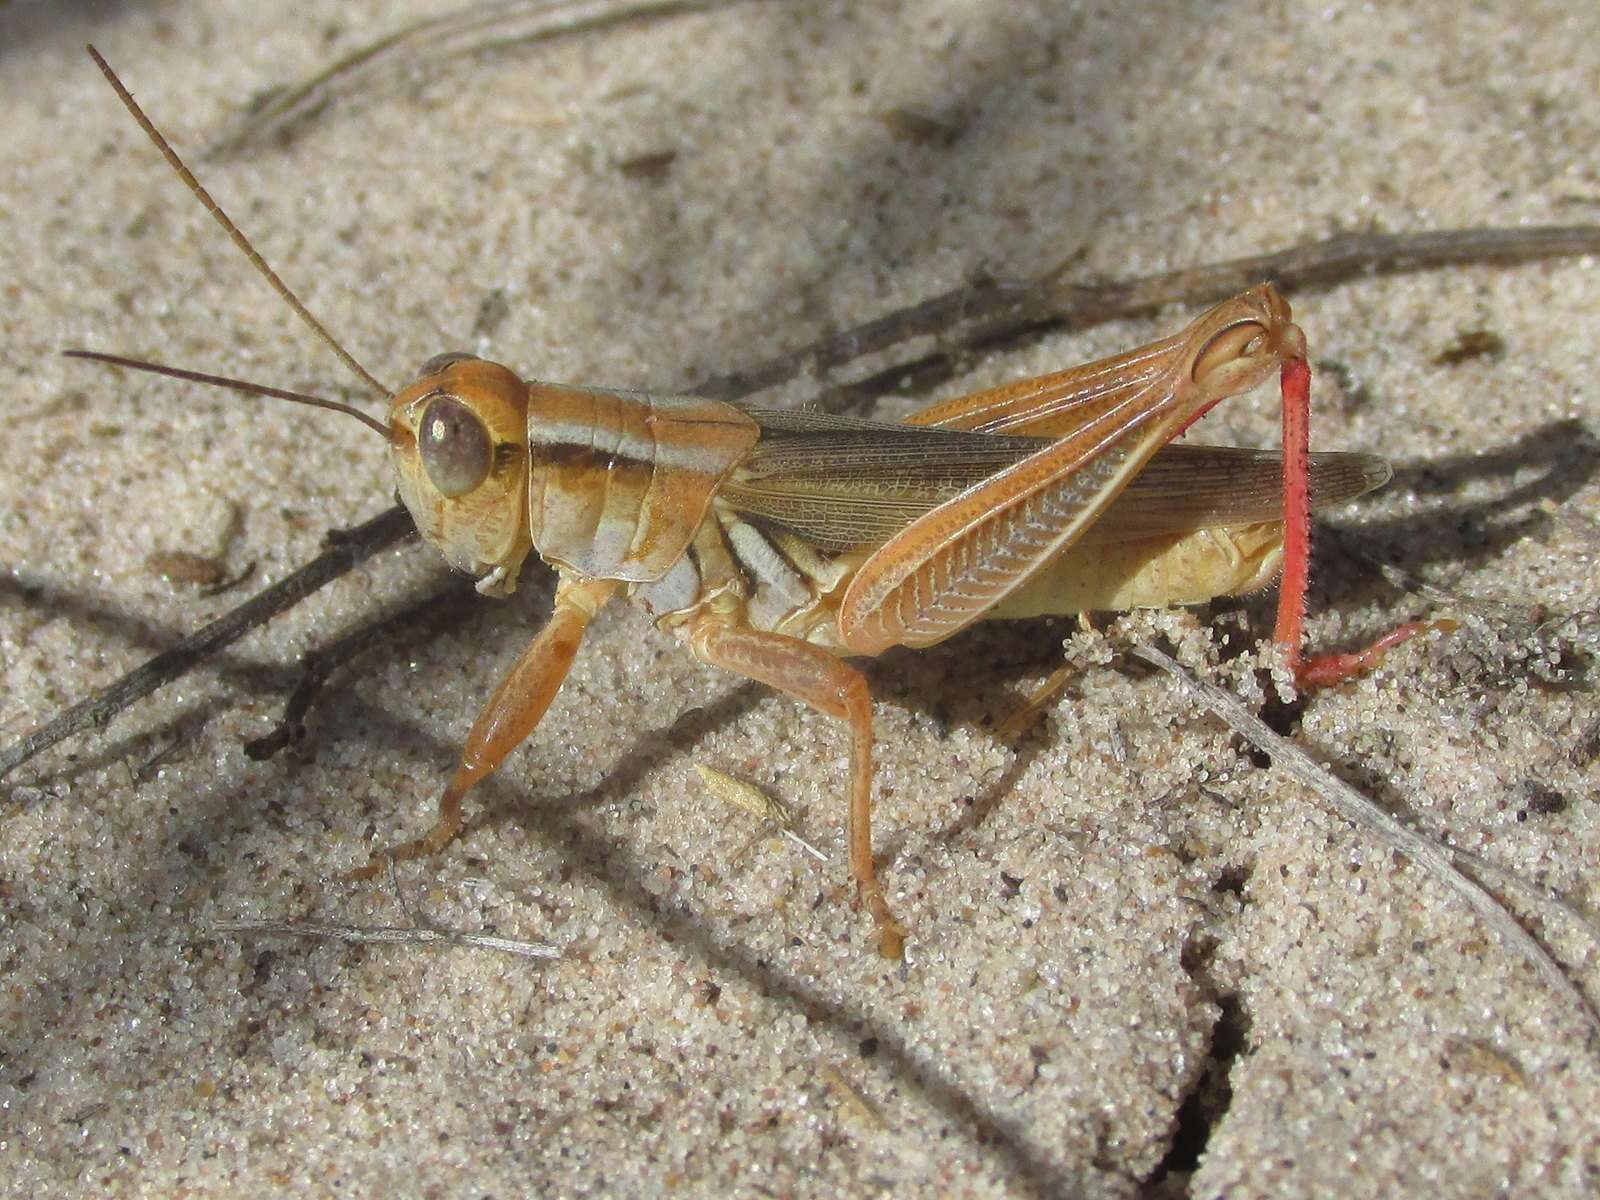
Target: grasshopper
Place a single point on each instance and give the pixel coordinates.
(776, 544)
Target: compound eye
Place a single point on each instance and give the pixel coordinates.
(440, 361)
(454, 445)
(1233, 343)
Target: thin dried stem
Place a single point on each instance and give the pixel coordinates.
(1343, 799)
(475, 29)
(441, 608)
(345, 551)
(409, 936)
(988, 312)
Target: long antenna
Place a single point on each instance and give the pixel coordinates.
(233, 385)
(229, 227)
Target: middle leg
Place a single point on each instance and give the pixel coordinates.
(813, 675)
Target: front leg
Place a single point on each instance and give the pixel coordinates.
(511, 714)
(813, 675)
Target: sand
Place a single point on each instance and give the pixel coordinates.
(1141, 961)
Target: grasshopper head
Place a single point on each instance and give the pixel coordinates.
(459, 440)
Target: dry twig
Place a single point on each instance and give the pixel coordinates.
(345, 550)
(410, 936)
(1343, 799)
(475, 29)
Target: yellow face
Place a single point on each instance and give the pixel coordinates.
(459, 440)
